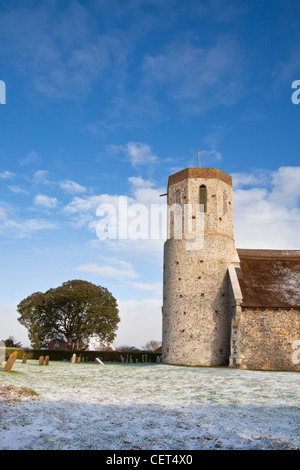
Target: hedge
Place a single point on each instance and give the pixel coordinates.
(88, 356)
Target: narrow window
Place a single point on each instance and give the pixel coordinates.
(224, 202)
(203, 198)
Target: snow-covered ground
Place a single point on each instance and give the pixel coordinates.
(149, 406)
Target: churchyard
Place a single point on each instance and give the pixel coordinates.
(141, 406)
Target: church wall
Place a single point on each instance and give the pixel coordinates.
(269, 339)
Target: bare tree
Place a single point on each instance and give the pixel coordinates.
(152, 345)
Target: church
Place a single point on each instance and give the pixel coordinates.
(224, 306)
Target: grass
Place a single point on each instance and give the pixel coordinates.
(148, 406)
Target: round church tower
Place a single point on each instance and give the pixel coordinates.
(199, 249)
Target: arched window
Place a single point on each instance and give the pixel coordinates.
(203, 198)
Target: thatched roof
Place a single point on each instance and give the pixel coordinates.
(269, 278)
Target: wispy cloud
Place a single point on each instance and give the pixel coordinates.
(41, 177)
(195, 77)
(18, 190)
(72, 187)
(6, 175)
(209, 156)
(16, 227)
(256, 178)
(32, 157)
(45, 201)
(62, 52)
(137, 153)
(123, 272)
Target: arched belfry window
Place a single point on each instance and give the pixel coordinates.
(203, 198)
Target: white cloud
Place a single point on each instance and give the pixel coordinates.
(286, 182)
(6, 175)
(40, 177)
(45, 201)
(137, 223)
(137, 153)
(155, 287)
(18, 190)
(138, 181)
(32, 157)
(268, 217)
(145, 192)
(87, 203)
(72, 187)
(123, 272)
(25, 228)
(257, 178)
(13, 226)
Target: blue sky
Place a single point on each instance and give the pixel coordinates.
(107, 99)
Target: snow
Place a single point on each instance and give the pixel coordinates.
(148, 406)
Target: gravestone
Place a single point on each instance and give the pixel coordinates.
(47, 360)
(2, 351)
(10, 362)
(41, 361)
(73, 359)
(24, 359)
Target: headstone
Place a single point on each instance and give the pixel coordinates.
(79, 360)
(73, 359)
(2, 351)
(10, 362)
(24, 359)
(144, 357)
(47, 358)
(41, 361)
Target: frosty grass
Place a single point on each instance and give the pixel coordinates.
(148, 406)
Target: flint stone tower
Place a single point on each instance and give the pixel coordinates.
(196, 297)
